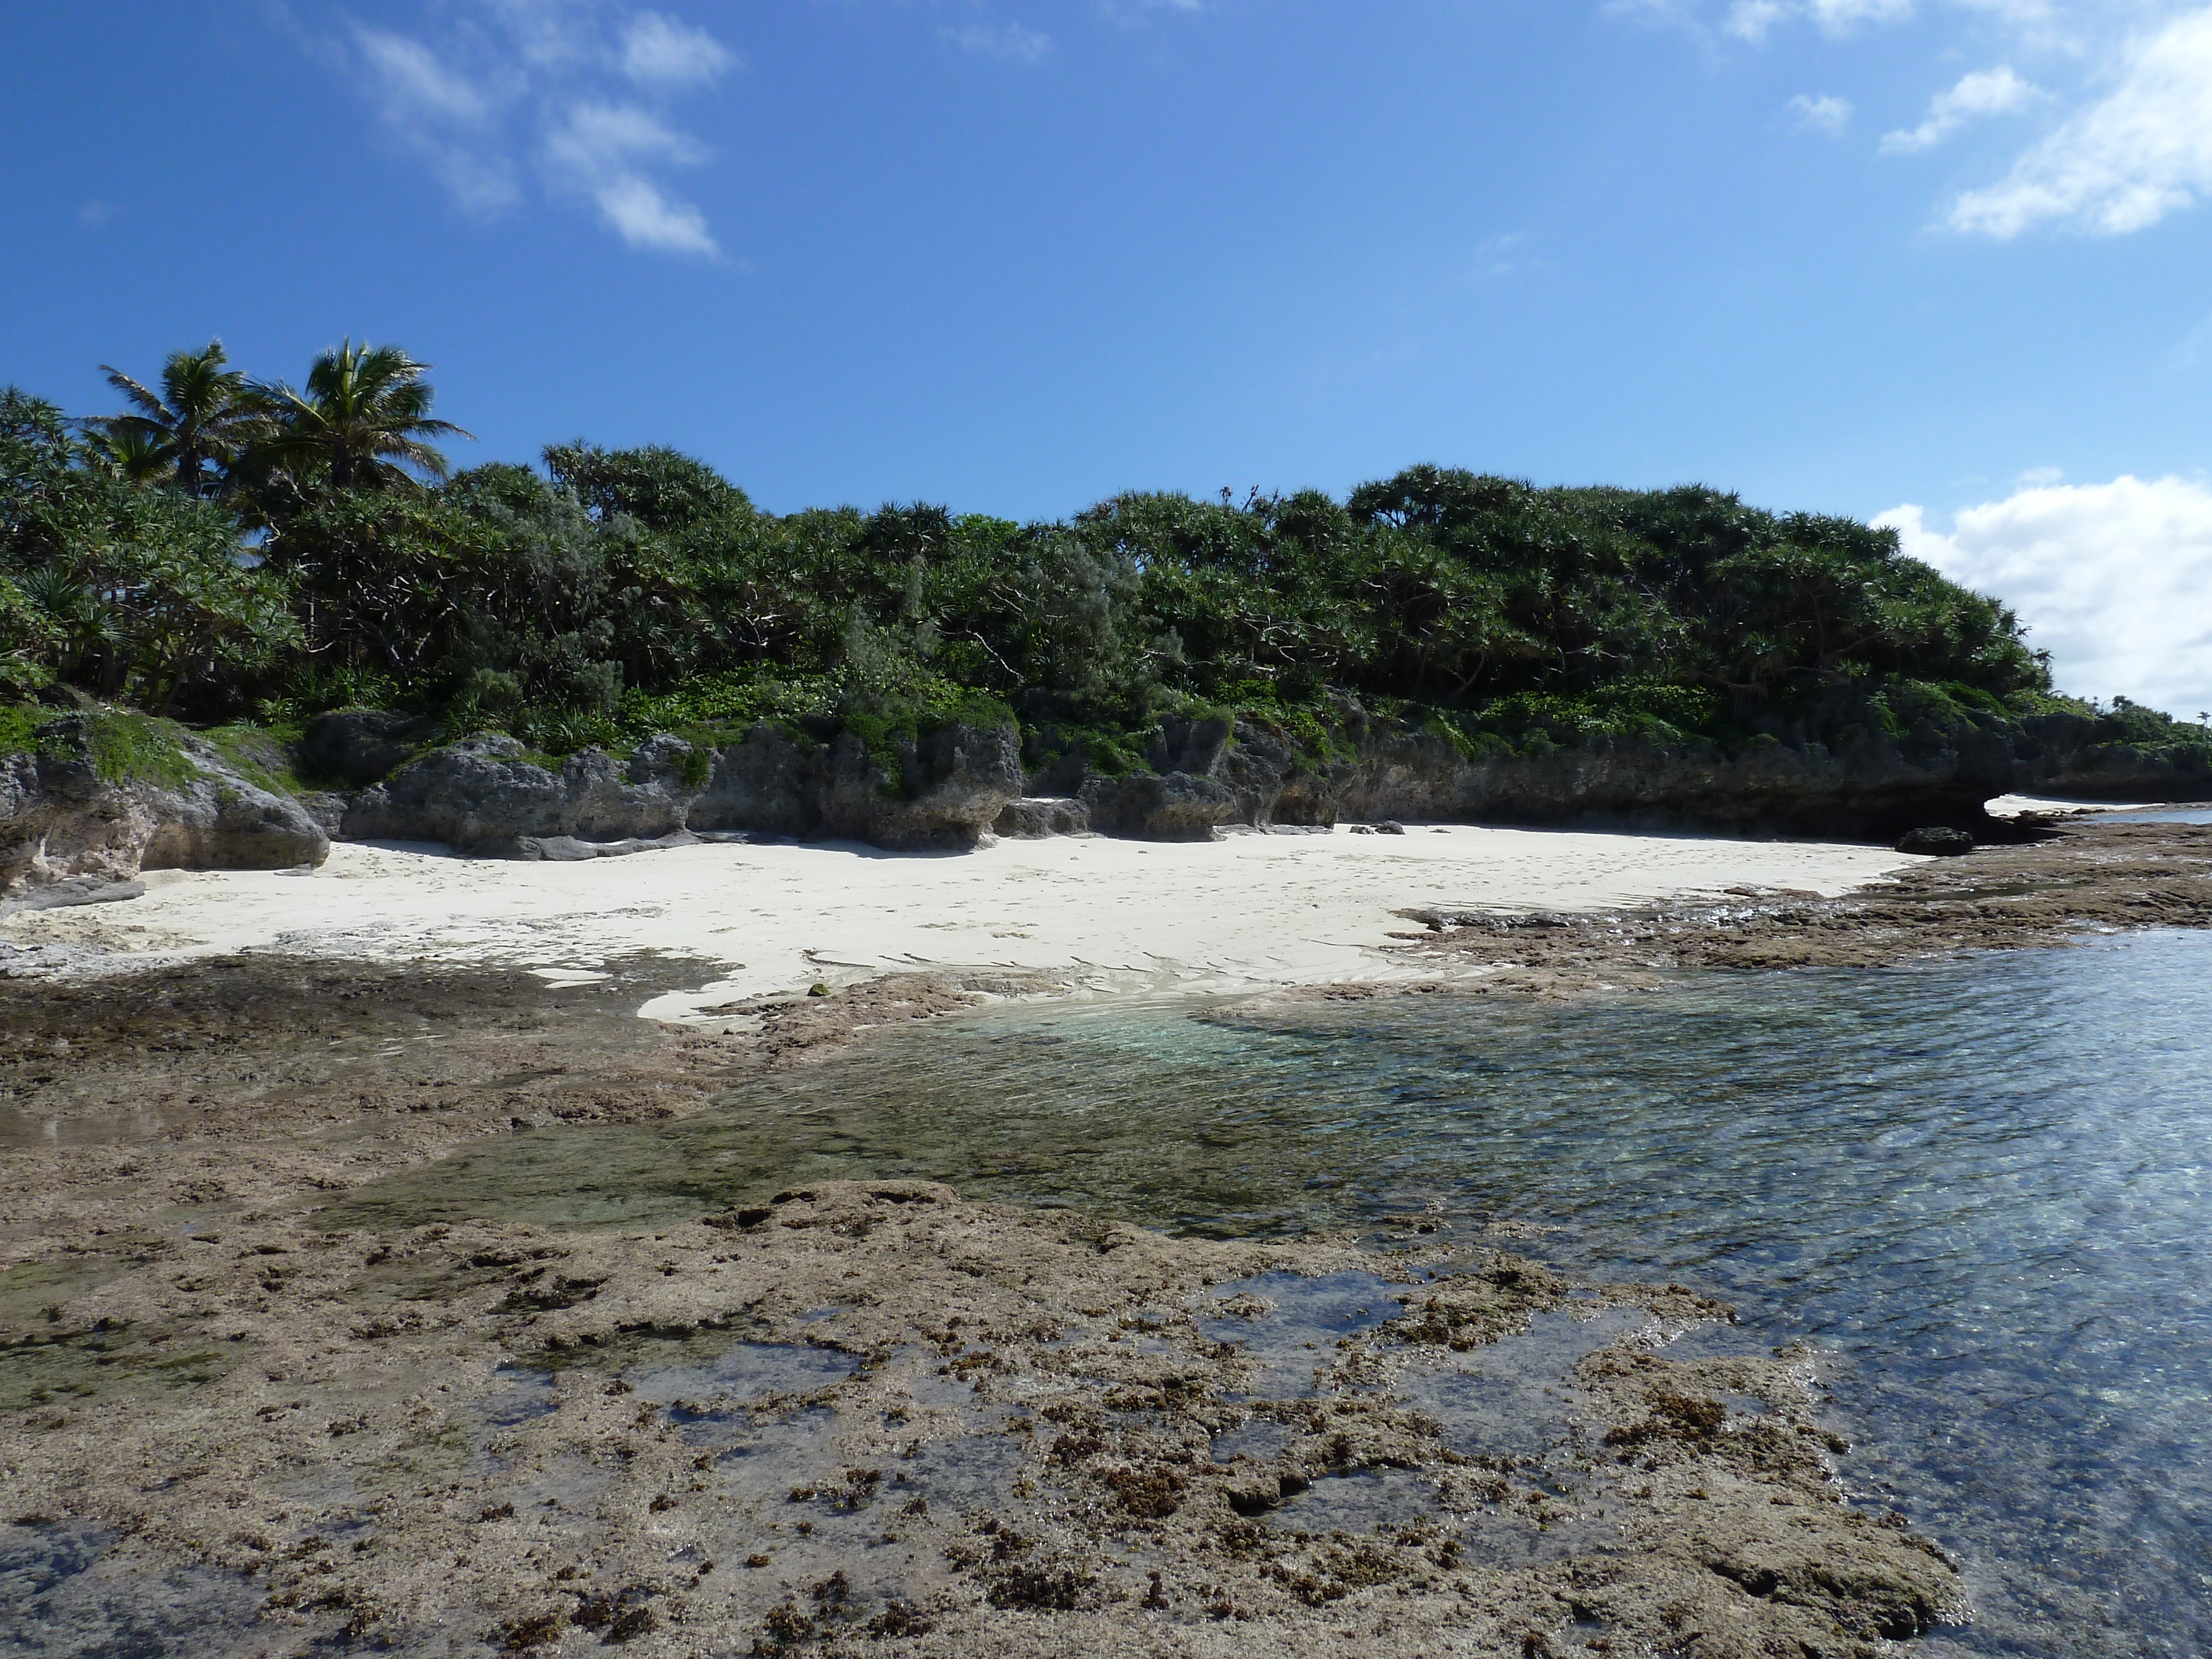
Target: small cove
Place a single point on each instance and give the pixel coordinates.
(1978, 1187)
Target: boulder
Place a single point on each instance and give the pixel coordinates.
(1146, 806)
(955, 781)
(359, 746)
(480, 795)
(1034, 817)
(1937, 842)
(63, 824)
(770, 782)
(486, 797)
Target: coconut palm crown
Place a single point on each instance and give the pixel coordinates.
(362, 422)
(204, 416)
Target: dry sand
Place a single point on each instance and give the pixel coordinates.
(1250, 913)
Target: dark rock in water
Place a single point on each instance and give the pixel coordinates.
(63, 824)
(358, 746)
(1389, 827)
(1145, 807)
(1936, 842)
(1033, 817)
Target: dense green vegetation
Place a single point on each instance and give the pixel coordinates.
(227, 550)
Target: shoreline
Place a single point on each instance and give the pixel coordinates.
(1248, 914)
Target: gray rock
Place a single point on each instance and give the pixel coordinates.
(61, 823)
(1143, 806)
(770, 783)
(1034, 817)
(327, 807)
(484, 796)
(955, 782)
(73, 891)
(1936, 842)
(568, 849)
(479, 795)
(359, 746)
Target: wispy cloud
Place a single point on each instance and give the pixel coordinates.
(1010, 41)
(2124, 161)
(574, 94)
(661, 51)
(2125, 92)
(1985, 91)
(605, 151)
(1825, 113)
(1753, 20)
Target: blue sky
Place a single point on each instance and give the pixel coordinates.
(1930, 259)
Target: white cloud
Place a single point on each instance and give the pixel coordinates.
(1826, 113)
(1985, 91)
(661, 51)
(591, 79)
(414, 84)
(2112, 578)
(1010, 41)
(2125, 162)
(1753, 19)
(602, 150)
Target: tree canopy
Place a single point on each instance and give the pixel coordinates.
(231, 547)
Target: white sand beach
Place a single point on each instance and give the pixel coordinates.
(1249, 912)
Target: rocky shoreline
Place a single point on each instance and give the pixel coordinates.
(71, 822)
(242, 1401)
(858, 1418)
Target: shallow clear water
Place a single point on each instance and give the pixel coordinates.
(2159, 815)
(1981, 1185)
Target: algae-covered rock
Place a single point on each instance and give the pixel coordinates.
(358, 746)
(104, 796)
(1143, 806)
(488, 796)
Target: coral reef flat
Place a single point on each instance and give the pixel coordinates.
(251, 1404)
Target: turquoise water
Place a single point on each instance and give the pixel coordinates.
(1981, 1187)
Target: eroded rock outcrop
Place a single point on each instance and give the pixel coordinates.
(65, 824)
(488, 796)
(1848, 769)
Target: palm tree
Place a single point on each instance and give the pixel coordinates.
(132, 451)
(362, 422)
(205, 414)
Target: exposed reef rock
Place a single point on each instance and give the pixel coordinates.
(488, 796)
(1146, 806)
(1845, 768)
(171, 802)
(819, 1416)
(1033, 817)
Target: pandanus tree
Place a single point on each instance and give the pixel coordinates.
(360, 424)
(196, 426)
